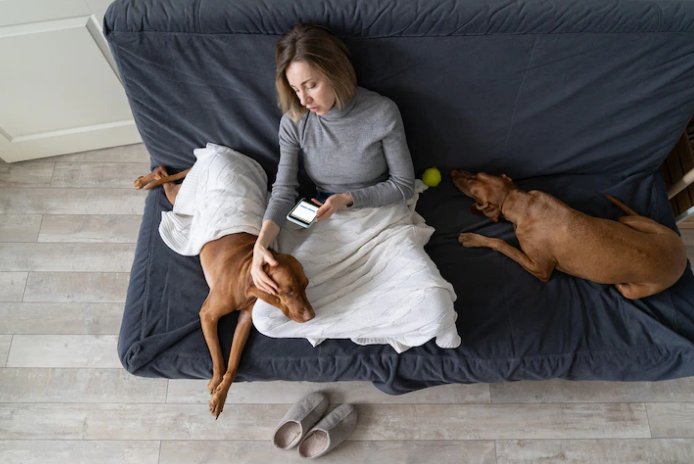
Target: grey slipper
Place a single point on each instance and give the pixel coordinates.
(332, 430)
(299, 420)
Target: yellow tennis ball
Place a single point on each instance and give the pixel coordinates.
(431, 177)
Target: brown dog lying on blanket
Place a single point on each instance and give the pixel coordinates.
(636, 254)
(226, 264)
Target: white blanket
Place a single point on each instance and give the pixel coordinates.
(224, 193)
(370, 281)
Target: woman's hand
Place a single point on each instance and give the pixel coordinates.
(332, 204)
(262, 281)
(262, 256)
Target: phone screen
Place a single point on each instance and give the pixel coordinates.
(305, 212)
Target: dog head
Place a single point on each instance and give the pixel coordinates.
(489, 192)
(291, 282)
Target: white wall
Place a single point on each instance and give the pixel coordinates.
(59, 87)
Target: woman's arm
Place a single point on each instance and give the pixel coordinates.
(262, 256)
(284, 192)
(400, 184)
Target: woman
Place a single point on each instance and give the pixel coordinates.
(352, 139)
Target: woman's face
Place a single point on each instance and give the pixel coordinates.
(311, 87)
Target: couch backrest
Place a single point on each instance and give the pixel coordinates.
(525, 87)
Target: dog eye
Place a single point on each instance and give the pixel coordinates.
(289, 293)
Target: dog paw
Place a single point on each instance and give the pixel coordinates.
(140, 182)
(472, 240)
(218, 400)
(213, 384)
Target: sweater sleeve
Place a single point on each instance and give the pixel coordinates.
(400, 183)
(284, 190)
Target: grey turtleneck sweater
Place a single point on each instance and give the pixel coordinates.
(360, 149)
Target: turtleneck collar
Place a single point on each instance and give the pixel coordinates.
(334, 114)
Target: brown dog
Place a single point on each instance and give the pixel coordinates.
(636, 254)
(226, 263)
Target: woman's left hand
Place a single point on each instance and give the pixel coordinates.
(332, 204)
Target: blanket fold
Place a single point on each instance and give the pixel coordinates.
(224, 193)
(370, 281)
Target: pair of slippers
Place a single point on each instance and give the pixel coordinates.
(303, 426)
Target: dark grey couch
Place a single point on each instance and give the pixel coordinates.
(575, 98)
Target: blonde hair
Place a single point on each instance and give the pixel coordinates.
(318, 47)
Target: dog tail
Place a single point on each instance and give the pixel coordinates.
(166, 180)
(622, 206)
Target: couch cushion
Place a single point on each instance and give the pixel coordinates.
(512, 325)
(530, 87)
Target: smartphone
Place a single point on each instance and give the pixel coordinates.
(303, 213)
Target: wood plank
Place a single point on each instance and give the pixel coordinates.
(377, 422)
(121, 228)
(595, 451)
(26, 174)
(63, 351)
(61, 318)
(79, 452)
(384, 452)
(195, 391)
(5, 342)
(12, 285)
(76, 287)
(560, 391)
(107, 175)
(686, 158)
(666, 174)
(530, 421)
(671, 420)
(675, 207)
(682, 152)
(71, 257)
(71, 201)
(96, 421)
(683, 200)
(136, 153)
(19, 227)
(55, 385)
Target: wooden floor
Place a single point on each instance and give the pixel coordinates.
(68, 227)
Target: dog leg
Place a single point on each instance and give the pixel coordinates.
(243, 329)
(542, 271)
(636, 291)
(644, 224)
(167, 179)
(158, 173)
(638, 222)
(158, 177)
(210, 313)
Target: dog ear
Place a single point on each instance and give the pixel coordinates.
(490, 210)
(266, 297)
(475, 209)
